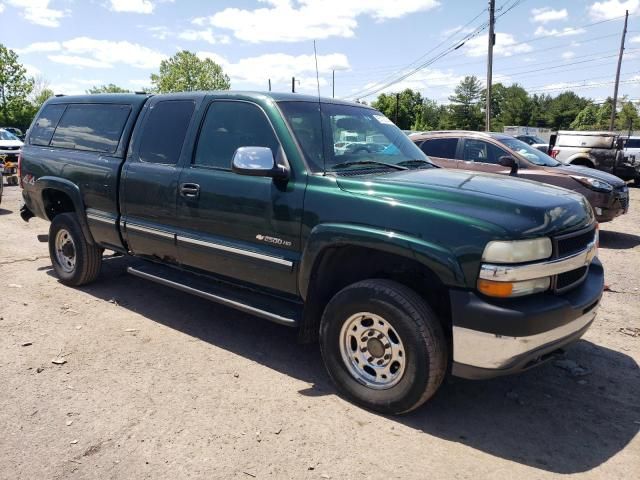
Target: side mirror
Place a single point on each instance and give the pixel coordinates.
(620, 144)
(510, 162)
(258, 162)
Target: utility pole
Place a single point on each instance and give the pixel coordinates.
(492, 42)
(293, 84)
(333, 84)
(397, 106)
(615, 89)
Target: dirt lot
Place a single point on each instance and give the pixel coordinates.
(159, 384)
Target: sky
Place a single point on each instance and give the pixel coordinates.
(373, 46)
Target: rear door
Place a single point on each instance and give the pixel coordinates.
(238, 226)
(149, 185)
(442, 151)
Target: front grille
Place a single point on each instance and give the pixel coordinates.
(574, 242)
(10, 148)
(566, 280)
(8, 157)
(624, 202)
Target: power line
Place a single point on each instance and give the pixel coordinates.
(504, 9)
(364, 90)
(564, 32)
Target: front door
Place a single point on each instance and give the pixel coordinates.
(482, 156)
(241, 227)
(149, 183)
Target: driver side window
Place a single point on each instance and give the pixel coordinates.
(481, 151)
(229, 125)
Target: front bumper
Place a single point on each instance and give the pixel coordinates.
(507, 336)
(612, 205)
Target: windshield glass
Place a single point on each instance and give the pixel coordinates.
(5, 135)
(352, 136)
(532, 154)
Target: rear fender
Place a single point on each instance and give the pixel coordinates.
(71, 190)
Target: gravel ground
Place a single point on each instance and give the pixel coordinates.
(159, 384)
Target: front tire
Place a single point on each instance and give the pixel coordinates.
(75, 261)
(383, 346)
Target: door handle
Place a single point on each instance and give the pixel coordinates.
(190, 190)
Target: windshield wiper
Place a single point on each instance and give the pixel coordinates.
(342, 165)
(417, 163)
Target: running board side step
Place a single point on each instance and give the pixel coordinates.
(254, 303)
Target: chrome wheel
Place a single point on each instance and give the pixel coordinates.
(65, 251)
(372, 351)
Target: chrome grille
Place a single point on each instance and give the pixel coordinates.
(567, 245)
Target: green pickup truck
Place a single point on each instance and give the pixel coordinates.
(403, 271)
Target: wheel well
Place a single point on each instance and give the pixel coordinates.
(343, 266)
(56, 202)
(582, 161)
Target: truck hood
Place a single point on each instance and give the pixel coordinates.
(588, 172)
(510, 207)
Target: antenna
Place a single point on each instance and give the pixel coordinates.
(324, 156)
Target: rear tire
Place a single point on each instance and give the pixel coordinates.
(75, 261)
(383, 346)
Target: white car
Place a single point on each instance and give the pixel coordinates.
(10, 148)
(632, 149)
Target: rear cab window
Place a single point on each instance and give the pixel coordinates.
(91, 127)
(45, 125)
(440, 147)
(164, 131)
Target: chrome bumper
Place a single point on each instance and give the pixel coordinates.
(492, 351)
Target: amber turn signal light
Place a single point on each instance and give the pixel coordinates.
(495, 289)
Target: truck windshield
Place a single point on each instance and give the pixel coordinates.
(349, 137)
(532, 154)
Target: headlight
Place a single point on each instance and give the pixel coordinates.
(593, 183)
(517, 251)
(513, 289)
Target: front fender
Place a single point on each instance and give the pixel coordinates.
(67, 187)
(438, 259)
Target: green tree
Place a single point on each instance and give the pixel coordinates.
(429, 115)
(409, 105)
(515, 108)
(628, 117)
(110, 88)
(563, 109)
(466, 111)
(15, 88)
(42, 97)
(185, 72)
(586, 119)
(540, 110)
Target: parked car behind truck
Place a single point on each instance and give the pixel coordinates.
(402, 269)
(503, 154)
(600, 150)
